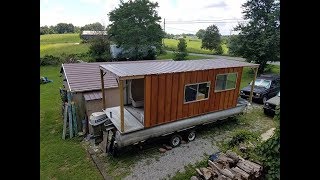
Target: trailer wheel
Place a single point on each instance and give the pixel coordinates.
(191, 135)
(175, 140)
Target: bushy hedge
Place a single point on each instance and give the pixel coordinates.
(63, 58)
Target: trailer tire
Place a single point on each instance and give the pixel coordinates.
(191, 135)
(175, 140)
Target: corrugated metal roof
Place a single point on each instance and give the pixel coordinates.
(86, 76)
(88, 96)
(148, 68)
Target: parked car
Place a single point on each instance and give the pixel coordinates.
(265, 87)
(269, 106)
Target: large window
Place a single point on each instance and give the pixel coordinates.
(226, 81)
(196, 92)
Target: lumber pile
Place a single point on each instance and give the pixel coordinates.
(69, 118)
(229, 166)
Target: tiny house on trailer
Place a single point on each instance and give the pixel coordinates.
(168, 97)
(83, 81)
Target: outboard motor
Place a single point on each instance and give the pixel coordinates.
(96, 125)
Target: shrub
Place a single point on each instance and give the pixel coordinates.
(99, 49)
(49, 60)
(182, 50)
(219, 50)
(151, 54)
(242, 136)
(269, 153)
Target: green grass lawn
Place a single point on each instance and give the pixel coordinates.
(57, 44)
(59, 48)
(59, 38)
(59, 159)
(193, 46)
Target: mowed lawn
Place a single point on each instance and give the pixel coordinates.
(57, 44)
(59, 159)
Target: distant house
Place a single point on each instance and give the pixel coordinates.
(87, 35)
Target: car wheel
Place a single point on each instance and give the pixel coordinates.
(191, 135)
(175, 140)
(264, 99)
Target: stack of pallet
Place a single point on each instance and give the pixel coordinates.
(229, 166)
(69, 118)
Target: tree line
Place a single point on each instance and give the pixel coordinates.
(62, 28)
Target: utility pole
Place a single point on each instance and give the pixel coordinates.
(164, 29)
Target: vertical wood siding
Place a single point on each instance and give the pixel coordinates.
(164, 95)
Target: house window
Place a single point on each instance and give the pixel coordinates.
(196, 92)
(226, 82)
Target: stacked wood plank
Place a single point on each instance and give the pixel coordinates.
(69, 118)
(229, 166)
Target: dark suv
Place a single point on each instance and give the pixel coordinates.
(265, 87)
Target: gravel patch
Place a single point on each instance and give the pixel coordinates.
(173, 160)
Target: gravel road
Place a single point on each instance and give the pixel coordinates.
(173, 160)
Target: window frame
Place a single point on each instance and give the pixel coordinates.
(235, 87)
(184, 92)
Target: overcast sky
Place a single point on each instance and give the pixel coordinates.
(81, 12)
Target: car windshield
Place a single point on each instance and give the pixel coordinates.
(262, 83)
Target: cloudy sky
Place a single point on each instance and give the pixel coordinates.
(223, 13)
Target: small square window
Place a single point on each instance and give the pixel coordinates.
(226, 81)
(196, 92)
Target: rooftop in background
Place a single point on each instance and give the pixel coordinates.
(148, 68)
(83, 77)
(94, 33)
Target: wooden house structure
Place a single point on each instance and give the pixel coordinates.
(168, 91)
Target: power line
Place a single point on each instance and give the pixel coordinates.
(181, 29)
(210, 20)
(190, 22)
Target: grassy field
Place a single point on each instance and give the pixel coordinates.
(59, 38)
(193, 46)
(59, 159)
(57, 44)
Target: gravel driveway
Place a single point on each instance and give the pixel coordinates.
(165, 165)
(172, 161)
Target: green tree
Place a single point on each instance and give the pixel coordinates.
(99, 49)
(212, 38)
(93, 27)
(259, 39)
(44, 30)
(135, 26)
(77, 29)
(200, 33)
(62, 28)
(182, 50)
